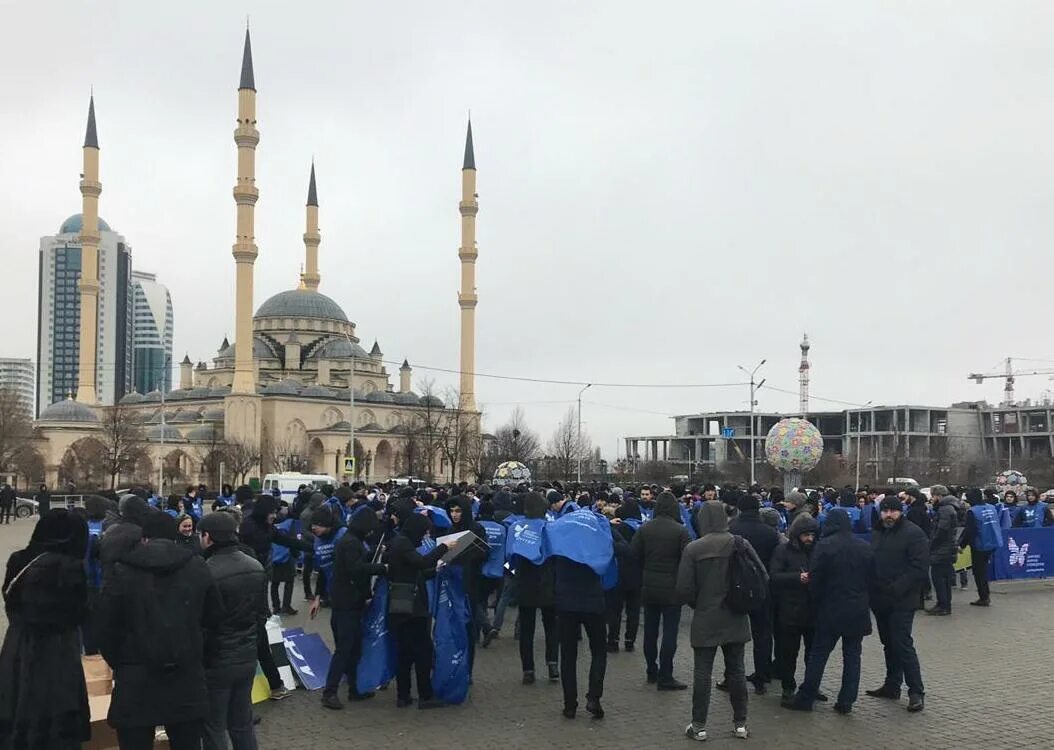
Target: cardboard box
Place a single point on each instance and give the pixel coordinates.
(97, 675)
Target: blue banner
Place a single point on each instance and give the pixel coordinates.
(309, 657)
(1026, 553)
(451, 674)
(378, 661)
(494, 567)
(525, 540)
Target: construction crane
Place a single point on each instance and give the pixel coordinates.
(1009, 375)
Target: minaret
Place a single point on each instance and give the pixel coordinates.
(245, 195)
(803, 377)
(404, 377)
(467, 253)
(312, 238)
(91, 188)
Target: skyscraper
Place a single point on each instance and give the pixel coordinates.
(17, 375)
(58, 315)
(152, 333)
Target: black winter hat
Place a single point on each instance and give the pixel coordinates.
(220, 526)
(244, 494)
(890, 502)
(322, 517)
(158, 525)
(749, 503)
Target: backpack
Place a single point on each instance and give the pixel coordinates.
(747, 580)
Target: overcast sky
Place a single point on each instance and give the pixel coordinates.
(666, 190)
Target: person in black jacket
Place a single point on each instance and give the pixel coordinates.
(534, 595)
(626, 595)
(152, 613)
(230, 647)
(349, 594)
(901, 570)
(459, 507)
(764, 539)
(258, 532)
(407, 571)
(794, 617)
(43, 498)
(840, 575)
(124, 534)
(659, 545)
(7, 502)
(578, 595)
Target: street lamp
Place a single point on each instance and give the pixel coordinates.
(859, 424)
(578, 444)
(753, 387)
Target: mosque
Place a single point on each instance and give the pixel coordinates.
(295, 388)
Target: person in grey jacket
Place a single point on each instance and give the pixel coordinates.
(702, 584)
(943, 548)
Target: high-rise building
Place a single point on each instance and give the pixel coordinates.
(151, 333)
(17, 375)
(59, 313)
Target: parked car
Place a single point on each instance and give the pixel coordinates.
(24, 507)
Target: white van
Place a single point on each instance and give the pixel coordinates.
(289, 483)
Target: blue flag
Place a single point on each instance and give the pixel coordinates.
(439, 517)
(582, 536)
(427, 545)
(451, 674)
(610, 578)
(378, 660)
(494, 567)
(525, 539)
(686, 519)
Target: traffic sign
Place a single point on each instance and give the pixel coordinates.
(349, 465)
(728, 432)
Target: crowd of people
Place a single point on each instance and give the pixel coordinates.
(176, 598)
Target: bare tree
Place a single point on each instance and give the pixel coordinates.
(210, 455)
(565, 448)
(16, 429)
(29, 464)
(242, 457)
(515, 441)
(458, 435)
(123, 441)
(427, 422)
(84, 463)
(286, 454)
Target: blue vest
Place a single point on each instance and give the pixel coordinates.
(193, 507)
(1005, 518)
(494, 567)
(281, 554)
(225, 501)
(989, 532)
(525, 540)
(93, 566)
(325, 552)
(1031, 516)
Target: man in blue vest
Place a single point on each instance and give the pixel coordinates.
(327, 531)
(983, 533)
(1030, 515)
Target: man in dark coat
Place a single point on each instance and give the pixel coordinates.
(349, 594)
(943, 549)
(659, 545)
(901, 571)
(230, 648)
(534, 596)
(795, 618)
(578, 596)
(840, 572)
(764, 539)
(626, 595)
(152, 612)
(124, 534)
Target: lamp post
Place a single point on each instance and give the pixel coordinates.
(161, 462)
(753, 387)
(859, 424)
(578, 442)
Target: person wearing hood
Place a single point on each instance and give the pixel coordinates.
(459, 508)
(187, 536)
(314, 501)
(764, 539)
(560, 504)
(230, 647)
(407, 571)
(902, 552)
(794, 617)
(225, 499)
(983, 534)
(659, 545)
(626, 595)
(702, 584)
(791, 505)
(942, 548)
(840, 577)
(1032, 513)
(122, 536)
(258, 532)
(534, 594)
(43, 697)
(153, 611)
(350, 589)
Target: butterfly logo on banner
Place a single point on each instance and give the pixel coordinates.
(1017, 554)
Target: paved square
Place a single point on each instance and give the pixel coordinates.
(987, 680)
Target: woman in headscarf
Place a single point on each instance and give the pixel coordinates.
(43, 698)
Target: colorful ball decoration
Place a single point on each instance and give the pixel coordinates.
(1011, 479)
(511, 474)
(793, 444)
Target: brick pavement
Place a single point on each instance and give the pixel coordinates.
(969, 659)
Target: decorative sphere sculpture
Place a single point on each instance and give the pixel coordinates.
(510, 474)
(793, 444)
(1011, 479)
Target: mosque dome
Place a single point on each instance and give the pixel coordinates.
(301, 303)
(132, 398)
(379, 397)
(73, 225)
(169, 433)
(68, 411)
(338, 348)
